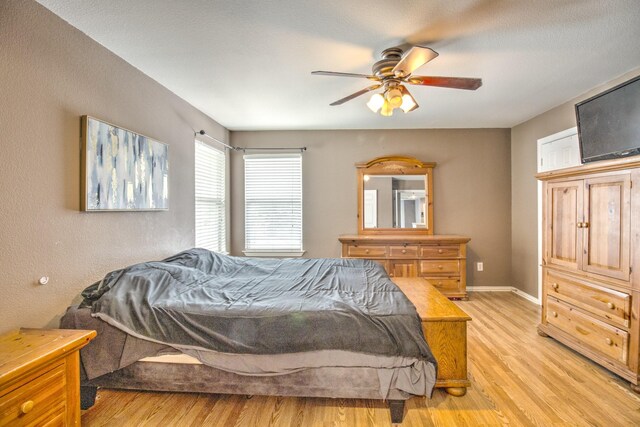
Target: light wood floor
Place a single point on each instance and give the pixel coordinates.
(518, 378)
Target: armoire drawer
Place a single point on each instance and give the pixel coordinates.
(366, 251)
(611, 305)
(438, 267)
(452, 251)
(599, 336)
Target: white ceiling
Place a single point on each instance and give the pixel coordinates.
(247, 63)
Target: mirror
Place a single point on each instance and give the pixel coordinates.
(394, 201)
(395, 196)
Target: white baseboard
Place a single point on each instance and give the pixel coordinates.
(504, 289)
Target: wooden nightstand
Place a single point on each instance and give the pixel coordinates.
(40, 376)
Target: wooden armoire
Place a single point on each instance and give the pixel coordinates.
(591, 262)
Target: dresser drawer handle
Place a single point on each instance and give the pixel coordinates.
(554, 314)
(608, 341)
(439, 251)
(26, 407)
(611, 305)
(404, 251)
(440, 267)
(439, 283)
(366, 251)
(554, 286)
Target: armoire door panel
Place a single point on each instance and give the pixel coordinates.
(564, 212)
(607, 209)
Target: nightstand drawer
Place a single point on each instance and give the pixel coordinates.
(447, 267)
(606, 339)
(366, 251)
(439, 251)
(609, 304)
(40, 398)
(406, 251)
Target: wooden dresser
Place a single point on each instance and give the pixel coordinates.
(442, 260)
(591, 262)
(40, 376)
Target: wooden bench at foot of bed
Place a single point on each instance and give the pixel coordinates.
(445, 328)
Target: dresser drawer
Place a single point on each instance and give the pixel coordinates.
(444, 283)
(366, 251)
(407, 251)
(41, 398)
(446, 267)
(611, 305)
(439, 251)
(599, 336)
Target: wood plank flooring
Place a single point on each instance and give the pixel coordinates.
(518, 379)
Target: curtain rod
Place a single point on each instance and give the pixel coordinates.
(203, 133)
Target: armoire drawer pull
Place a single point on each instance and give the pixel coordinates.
(608, 341)
(611, 305)
(26, 407)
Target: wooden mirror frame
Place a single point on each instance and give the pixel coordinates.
(396, 165)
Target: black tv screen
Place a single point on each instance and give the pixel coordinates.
(609, 123)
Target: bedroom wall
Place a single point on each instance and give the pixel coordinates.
(524, 219)
(51, 74)
(472, 187)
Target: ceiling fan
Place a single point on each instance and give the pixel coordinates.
(392, 72)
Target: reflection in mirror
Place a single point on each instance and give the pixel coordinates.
(394, 201)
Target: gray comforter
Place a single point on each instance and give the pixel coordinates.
(202, 300)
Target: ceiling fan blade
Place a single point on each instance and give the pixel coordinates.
(355, 95)
(450, 82)
(335, 73)
(412, 59)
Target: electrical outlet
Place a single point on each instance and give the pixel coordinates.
(480, 266)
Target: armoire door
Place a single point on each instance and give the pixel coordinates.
(607, 209)
(563, 238)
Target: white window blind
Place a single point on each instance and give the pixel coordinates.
(273, 203)
(211, 221)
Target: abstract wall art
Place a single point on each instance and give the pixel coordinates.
(122, 170)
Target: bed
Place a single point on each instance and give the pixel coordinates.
(205, 322)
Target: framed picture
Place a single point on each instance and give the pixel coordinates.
(122, 170)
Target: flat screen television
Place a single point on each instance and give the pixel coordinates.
(609, 123)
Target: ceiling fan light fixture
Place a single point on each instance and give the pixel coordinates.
(394, 97)
(376, 102)
(408, 102)
(387, 109)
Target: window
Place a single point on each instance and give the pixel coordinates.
(273, 204)
(211, 209)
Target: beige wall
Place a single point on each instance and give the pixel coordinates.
(472, 187)
(524, 137)
(51, 74)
